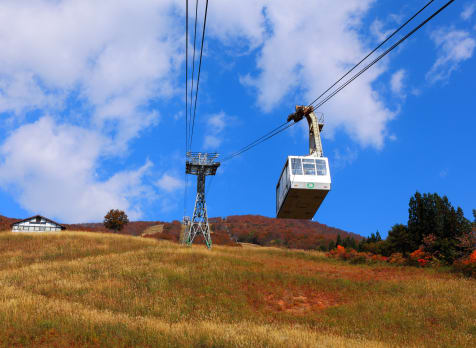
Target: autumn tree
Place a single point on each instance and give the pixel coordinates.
(115, 220)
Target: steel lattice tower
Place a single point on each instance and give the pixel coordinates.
(201, 165)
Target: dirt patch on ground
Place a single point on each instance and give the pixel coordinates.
(300, 302)
(291, 299)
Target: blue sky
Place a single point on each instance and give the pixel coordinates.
(92, 107)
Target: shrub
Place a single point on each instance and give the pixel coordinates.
(355, 257)
(419, 258)
(397, 259)
(467, 266)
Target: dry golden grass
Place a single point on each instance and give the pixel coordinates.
(89, 289)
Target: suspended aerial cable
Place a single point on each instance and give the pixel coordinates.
(186, 103)
(199, 69)
(373, 51)
(186, 76)
(314, 107)
(382, 55)
(193, 71)
(260, 140)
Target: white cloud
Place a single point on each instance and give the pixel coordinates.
(169, 183)
(51, 169)
(397, 82)
(101, 64)
(216, 124)
(376, 28)
(468, 11)
(454, 46)
(299, 56)
(98, 64)
(111, 56)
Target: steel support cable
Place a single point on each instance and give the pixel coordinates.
(383, 54)
(373, 51)
(264, 138)
(256, 142)
(193, 69)
(186, 104)
(199, 70)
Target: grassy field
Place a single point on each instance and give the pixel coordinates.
(97, 290)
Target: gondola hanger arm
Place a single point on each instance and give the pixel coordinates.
(315, 127)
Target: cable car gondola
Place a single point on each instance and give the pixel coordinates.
(305, 180)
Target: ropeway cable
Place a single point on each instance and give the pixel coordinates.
(373, 51)
(383, 55)
(260, 140)
(193, 70)
(199, 69)
(186, 105)
(276, 131)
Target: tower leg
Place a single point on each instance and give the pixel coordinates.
(199, 223)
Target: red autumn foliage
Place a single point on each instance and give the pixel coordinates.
(472, 257)
(5, 223)
(420, 258)
(467, 266)
(293, 234)
(355, 257)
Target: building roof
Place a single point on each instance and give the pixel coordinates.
(35, 216)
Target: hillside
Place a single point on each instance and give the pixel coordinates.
(256, 229)
(6, 222)
(79, 289)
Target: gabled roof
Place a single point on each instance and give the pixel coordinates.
(35, 216)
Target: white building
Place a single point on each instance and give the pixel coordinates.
(36, 223)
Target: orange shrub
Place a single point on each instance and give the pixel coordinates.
(466, 266)
(354, 256)
(420, 258)
(472, 257)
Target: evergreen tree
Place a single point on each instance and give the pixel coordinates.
(378, 237)
(349, 242)
(398, 240)
(436, 224)
(474, 216)
(332, 245)
(353, 243)
(361, 245)
(339, 240)
(374, 238)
